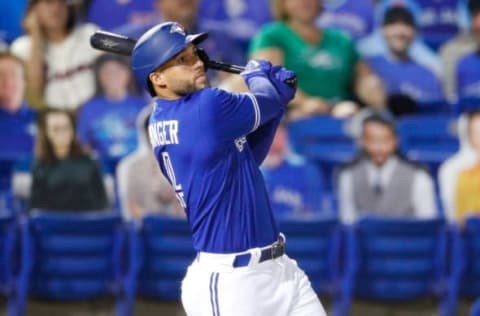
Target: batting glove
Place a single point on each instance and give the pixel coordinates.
(257, 67)
(285, 82)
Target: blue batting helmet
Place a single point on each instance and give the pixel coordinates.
(157, 46)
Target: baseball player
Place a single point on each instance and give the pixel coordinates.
(209, 143)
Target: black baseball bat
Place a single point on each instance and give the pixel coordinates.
(123, 45)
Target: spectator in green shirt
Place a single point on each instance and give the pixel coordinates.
(327, 65)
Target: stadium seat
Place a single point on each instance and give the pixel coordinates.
(315, 245)
(8, 267)
(165, 250)
(428, 139)
(76, 256)
(324, 140)
(465, 262)
(396, 260)
(475, 310)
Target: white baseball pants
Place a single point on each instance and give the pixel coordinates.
(277, 287)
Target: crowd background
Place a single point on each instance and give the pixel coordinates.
(385, 122)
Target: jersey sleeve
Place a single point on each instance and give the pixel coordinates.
(233, 115)
(261, 140)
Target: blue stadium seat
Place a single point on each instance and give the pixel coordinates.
(428, 139)
(16, 149)
(8, 266)
(324, 140)
(475, 310)
(165, 250)
(315, 245)
(76, 256)
(396, 260)
(465, 262)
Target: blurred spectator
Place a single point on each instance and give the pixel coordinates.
(325, 60)
(459, 46)
(295, 187)
(64, 177)
(17, 122)
(142, 187)
(400, 74)
(380, 181)
(465, 162)
(354, 17)
(375, 44)
(240, 19)
(120, 12)
(17, 119)
(58, 55)
(468, 67)
(467, 189)
(218, 45)
(437, 21)
(10, 26)
(106, 123)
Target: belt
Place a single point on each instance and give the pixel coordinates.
(277, 249)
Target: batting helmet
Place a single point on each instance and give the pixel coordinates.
(157, 46)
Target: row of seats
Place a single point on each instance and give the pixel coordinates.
(328, 141)
(62, 256)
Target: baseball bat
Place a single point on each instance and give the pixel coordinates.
(123, 45)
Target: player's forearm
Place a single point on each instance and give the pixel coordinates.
(269, 101)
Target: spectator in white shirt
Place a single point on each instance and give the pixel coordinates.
(57, 55)
(379, 181)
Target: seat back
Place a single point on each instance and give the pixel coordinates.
(166, 251)
(428, 138)
(466, 259)
(324, 140)
(315, 245)
(7, 248)
(76, 255)
(396, 259)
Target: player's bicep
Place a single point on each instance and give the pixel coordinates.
(233, 115)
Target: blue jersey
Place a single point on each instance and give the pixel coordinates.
(120, 12)
(108, 126)
(17, 133)
(407, 78)
(209, 144)
(295, 188)
(354, 17)
(468, 77)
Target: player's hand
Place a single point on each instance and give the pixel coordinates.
(255, 68)
(284, 81)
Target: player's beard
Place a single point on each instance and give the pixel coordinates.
(186, 87)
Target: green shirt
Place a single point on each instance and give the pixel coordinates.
(324, 70)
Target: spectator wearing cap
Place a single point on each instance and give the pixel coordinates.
(375, 44)
(468, 68)
(457, 47)
(380, 181)
(400, 74)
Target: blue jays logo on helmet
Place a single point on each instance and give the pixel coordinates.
(157, 46)
(178, 28)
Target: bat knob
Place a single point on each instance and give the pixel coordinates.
(291, 81)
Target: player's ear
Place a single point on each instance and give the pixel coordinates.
(157, 79)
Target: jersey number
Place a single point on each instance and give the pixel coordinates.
(171, 175)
